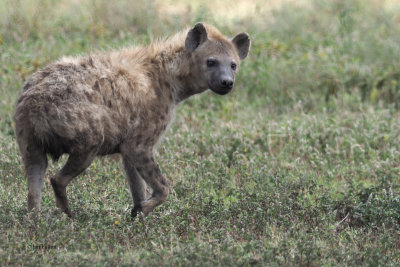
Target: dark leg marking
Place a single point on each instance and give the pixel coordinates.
(151, 174)
(137, 186)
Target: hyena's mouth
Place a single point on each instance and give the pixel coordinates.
(221, 91)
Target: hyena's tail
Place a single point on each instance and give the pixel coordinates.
(32, 127)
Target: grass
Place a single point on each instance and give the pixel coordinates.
(300, 165)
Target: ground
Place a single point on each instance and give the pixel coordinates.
(299, 165)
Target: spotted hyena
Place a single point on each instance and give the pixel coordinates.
(118, 102)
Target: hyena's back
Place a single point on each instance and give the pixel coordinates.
(71, 108)
(119, 102)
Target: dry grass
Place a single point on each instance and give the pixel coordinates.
(300, 165)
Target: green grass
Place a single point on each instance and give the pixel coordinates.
(300, 165)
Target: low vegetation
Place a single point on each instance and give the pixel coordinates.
(300, 165)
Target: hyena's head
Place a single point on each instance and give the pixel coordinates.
(216, 58)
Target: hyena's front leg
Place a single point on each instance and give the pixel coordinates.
(150, 172)
(137, 186)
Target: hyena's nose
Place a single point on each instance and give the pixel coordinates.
(226, 82)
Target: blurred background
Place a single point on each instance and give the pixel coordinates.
(304, 51)
(299, 165)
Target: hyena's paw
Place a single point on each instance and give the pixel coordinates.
(158, 197)
(69, 213)
(135, 210)
(33, 213)
(149, 205)
(64, 207)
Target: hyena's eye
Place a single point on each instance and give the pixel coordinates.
(233, 66)
(211, 62)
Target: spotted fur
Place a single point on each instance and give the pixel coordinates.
(112, 102)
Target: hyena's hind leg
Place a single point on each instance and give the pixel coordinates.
(137, 186)
(76, 164)
(35, 162)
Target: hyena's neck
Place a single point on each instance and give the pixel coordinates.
(180, 70)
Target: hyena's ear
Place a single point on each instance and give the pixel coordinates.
(196, 37)
(242, 43)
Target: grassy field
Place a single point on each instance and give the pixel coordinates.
(300, 165)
